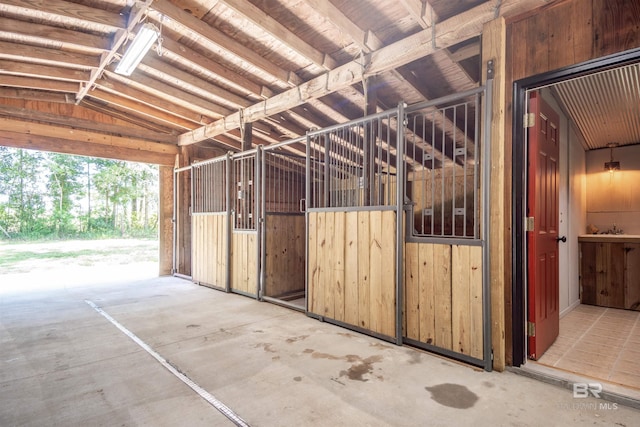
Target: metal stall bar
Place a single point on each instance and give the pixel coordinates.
(459, 149)
(400, 184)
(174, 219)
(282, 195)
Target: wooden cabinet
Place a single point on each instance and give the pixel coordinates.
(610, 272)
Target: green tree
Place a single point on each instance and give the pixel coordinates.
(64, 186)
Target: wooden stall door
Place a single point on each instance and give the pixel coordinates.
(352, 269)
(543, 200)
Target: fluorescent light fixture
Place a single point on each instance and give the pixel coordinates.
(146, 37)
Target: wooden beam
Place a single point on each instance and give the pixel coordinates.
(74, 12)
(79, 148)
(421, 11)
(466, 52)
(494, 49)
(121, 36)
(35, 95)
(42, 71)
(47, 56)
(160, 95)
(90, 125)
(454, 30)
(165, 220)
(202, 30)
(40, 84)
(280, 32)
(140, 109)
(89, 43)
(84, 136)
(173, 49)
(225, 100)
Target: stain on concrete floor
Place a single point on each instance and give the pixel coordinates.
(453, 395)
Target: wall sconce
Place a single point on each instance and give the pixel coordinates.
(146, 37)
(612, 165)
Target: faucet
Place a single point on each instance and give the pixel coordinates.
(615, 230)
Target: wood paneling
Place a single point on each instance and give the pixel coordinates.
(209, 258)
(443, 296)
(244, 262)
(285, 254)
(165, 220)
(352, 268)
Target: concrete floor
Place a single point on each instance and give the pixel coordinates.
(62, 363)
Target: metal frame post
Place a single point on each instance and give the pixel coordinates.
(485, 212)
(307, 196)
(174, 220)
(399, 221)
(228, 163)
(258, 219)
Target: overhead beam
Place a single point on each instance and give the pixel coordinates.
(217, 37)
(73, 13)
(84, 136)
(42, 71)
(66, 146)
(35, 95)
(89, 125)
(68, 39)
(280, 32)
(421, 11)
(135, 15)
(454, 30)
(41, 84)
(47, 56)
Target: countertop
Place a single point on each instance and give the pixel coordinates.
(612, 238)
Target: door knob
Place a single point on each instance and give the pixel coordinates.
(562, 239)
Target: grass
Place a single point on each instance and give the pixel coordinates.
(25, 257)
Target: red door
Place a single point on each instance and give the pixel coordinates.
(542, 241)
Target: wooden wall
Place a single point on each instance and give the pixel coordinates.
(558, 35)
(285, 254)
(209, 258)
(443, 296)
(352, 268)
(244, 262)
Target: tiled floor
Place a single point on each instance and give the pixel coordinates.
(598, 342)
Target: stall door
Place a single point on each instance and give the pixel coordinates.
(542, 213)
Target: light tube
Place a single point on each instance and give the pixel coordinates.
(143, 41)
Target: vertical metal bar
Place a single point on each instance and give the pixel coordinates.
(258, 220)
(486, 211)
(476, 166)
(453, 179)
(327, 171)
(230, 183)
(400, 170)
(307, 190)
(174, 222)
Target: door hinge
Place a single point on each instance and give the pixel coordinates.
(529, 120)
(530, 224)
(531, 329)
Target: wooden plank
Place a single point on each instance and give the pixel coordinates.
(494, 49)
(588, 273)
(616, 275)
(339, 266)
(328, 270)
(460, 299)
(312, 269)
(412, 281)
(602, 273)
(388, 277)
(252, 263)
(442, 296)
(165, 220)
(47, 56)
(427, 293)
(615, 26)
(351, 269)
(108, 21)
(66, 146)
(364, 276)
(632, 276)
(475, 286)
(375, 270)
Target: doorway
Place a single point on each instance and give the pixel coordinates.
(587, 331)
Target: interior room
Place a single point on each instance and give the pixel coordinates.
(599, 213)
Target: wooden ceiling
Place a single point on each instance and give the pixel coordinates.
(282, 66)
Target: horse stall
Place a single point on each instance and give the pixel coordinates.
(446, 297)
(210, 223)
(245, 242)
(352, 225)
(283, 225)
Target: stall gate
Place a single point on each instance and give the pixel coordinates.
(245, 248)
(283, 225)
(446, 284)
(352, 224)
